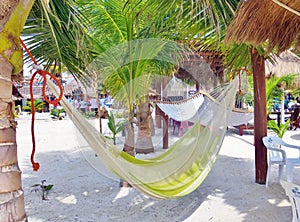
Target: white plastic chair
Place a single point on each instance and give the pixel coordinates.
(277, 155)
(293, 192)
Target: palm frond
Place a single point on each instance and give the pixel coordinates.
(278, 129)
(55, 35)
(193, 15)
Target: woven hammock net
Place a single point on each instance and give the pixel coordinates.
(179, 170)
(190, 108)
(194, 108)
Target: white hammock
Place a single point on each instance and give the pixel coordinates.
(177, 172)
(192, 110)
(240, 117)
(182, 110)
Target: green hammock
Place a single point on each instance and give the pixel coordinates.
(178, 171)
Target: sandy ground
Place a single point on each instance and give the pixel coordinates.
(84, 191)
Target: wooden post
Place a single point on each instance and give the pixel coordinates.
(165, 131)
(158, 112)
(158, 116)
(260, 116)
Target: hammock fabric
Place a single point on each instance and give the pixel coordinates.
(182, 110)
(178, 171)
(240, 117)
(192, 110)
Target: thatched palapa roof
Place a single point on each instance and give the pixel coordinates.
(274, 21)
(284, 64)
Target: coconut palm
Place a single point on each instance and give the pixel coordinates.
(13, 17)
(278, 129)
(55, 35)
(116, 22)
(114, 127)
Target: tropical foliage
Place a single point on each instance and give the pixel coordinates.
(275, 88)
(111, 32)
(55, 34)
(57, 113)
(115, 127)
(278, 129)
(38, 106)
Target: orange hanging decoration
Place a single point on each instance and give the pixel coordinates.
(44, 74)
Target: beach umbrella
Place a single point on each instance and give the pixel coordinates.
(275, 25)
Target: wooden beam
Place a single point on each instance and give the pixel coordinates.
(260, 116)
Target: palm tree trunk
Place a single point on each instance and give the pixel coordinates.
(129, 137)
(129, 143)
(11, 194)
(144, 138)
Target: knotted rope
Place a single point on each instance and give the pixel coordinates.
(43, 74)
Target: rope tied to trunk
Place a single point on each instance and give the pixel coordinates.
(43, 74)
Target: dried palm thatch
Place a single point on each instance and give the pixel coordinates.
(284, 64)
(276, 22)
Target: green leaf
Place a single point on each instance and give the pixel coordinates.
(47, 187)
(278, 129)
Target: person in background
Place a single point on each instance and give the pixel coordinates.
(94, 106)
(70, 99)
(290, 96)
(102, 101)
(75, 103)
(82, 105)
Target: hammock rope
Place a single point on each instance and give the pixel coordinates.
(44, 75)
(178, 171)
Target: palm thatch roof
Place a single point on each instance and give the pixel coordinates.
(284, 64)
(276, 22)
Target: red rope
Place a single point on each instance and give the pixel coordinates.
(44, 74)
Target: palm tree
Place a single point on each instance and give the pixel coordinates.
(13, 18)
(126, 24)
(11, 193)
(116, 22)
(54, 34)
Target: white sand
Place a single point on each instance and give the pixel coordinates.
(82, 192)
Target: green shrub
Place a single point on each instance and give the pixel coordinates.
(38, 106)
(56, 113)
